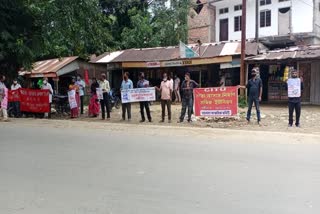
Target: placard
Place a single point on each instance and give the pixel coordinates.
(216, 102)
(294, 87)
(72, 99)
(138, 95)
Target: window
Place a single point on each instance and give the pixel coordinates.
(265, 18)
(198, 6)
(238, 7)
(237, 23)
(265, 2)
(224, 10)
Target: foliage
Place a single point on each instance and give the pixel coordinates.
(19, 35)
(242, 102)
(32, 30)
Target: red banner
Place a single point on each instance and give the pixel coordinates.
(31, 100)
(13, 96)
(216, 102)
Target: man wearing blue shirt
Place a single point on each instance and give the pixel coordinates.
(126, 107)
(82, 86)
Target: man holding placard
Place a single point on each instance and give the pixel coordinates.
(295, 87)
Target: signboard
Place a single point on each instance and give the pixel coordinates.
(153, 64)
(294, 87)
(34, 100)
(138, 95)
(216, 102)
(72, 99)
(186, 52)
(177, 63)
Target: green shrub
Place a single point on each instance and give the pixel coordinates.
(242, 102)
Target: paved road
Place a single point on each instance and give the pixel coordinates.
(86, 168)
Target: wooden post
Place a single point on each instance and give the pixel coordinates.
(243, 46)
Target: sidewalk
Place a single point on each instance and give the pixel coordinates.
(274, 118)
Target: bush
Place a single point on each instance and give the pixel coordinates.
(242, 102)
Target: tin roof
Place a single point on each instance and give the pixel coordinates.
(49, 68)
(297, 53)
(208, 50)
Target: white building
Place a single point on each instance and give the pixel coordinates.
(280, 21)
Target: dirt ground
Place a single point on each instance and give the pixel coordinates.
(274, 118)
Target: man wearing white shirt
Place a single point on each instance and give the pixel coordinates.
(47, 86)
(82, 86)
(16, 105)
(105, 105)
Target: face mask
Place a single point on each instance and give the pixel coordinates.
(253, 75)
(45, 82)
(15, 82)
(78, 78)
(165, 79)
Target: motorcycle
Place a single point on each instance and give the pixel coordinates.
(114, 99)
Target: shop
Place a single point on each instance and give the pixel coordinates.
(215, 60)
(275, 68)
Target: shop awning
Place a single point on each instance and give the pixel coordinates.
(292, 53)
(52, 67)
(170, 56)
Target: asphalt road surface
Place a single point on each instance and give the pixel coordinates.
(68, 167)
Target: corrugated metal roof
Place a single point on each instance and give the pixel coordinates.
(208, 50)
(49, 67)
(298, 53)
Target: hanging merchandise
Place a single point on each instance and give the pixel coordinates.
(286, 74)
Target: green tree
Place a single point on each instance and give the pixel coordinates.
(19, 36)
(72, 27)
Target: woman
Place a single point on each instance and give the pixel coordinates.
(73, 86)
(4, 103)
(94, 105)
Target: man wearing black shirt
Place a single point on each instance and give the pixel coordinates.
(187, 87)
(254, 87)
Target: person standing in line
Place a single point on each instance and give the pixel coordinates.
(254, 87)
(166, 89)
(75, 87)
(295, 99)
(47, 86)
(222, 80)
(143, 83)
(176, 88)
(94, 106)
(82, 85)
(126, 107)
(187, 87)
(3, 98)
(105, 105)
(16, 105)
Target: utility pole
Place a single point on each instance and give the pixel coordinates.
(243, 45)
(257, 20)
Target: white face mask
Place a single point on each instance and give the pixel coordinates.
(165, 79)
(45, 82)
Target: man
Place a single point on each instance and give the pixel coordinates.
(16, 105)
(187, 87)
(105, 86)
(166, 89)
(143, 83)
(176, 87)
(254, 87)
(81, 84)
(3, 98)
(126, 107)
(47, 86)
(222, 80)
(295, 87)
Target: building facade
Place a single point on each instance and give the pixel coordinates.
(287, 22)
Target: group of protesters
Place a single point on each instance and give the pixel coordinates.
(168, 88)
